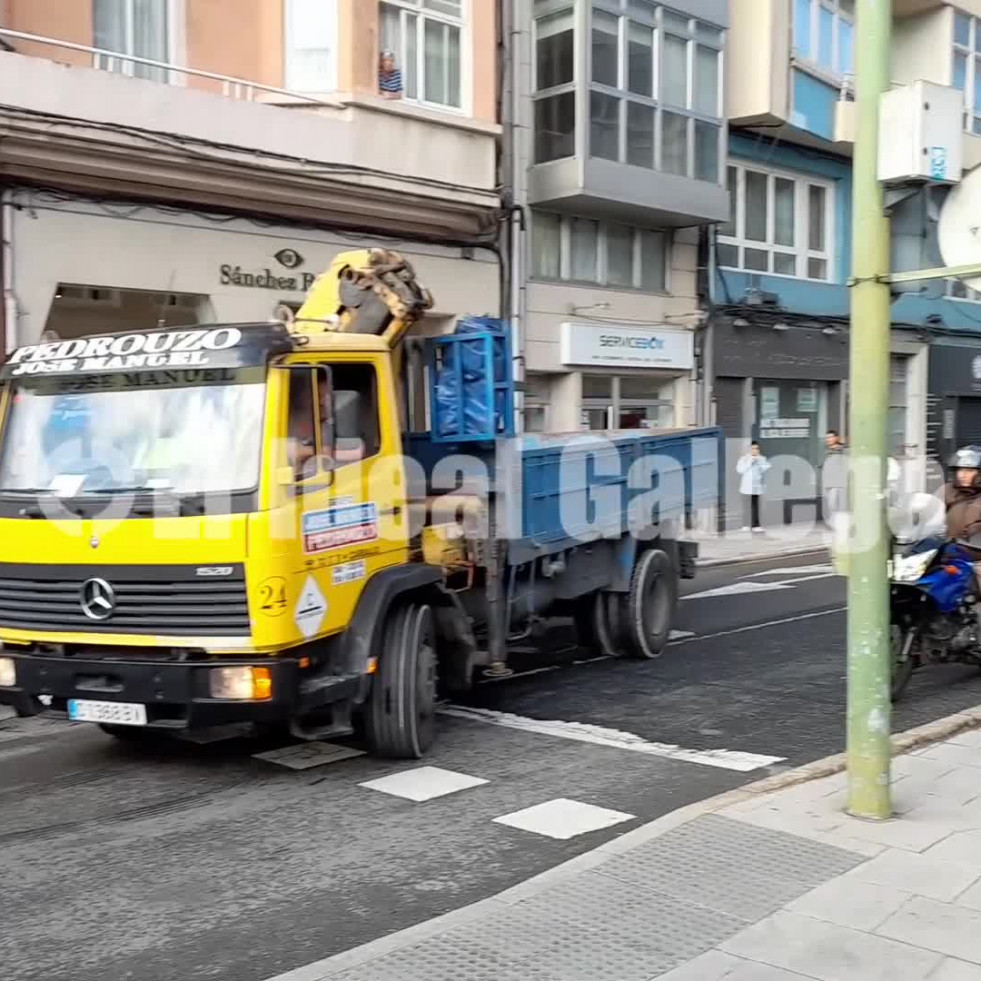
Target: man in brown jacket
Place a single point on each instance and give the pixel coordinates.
(962, 494)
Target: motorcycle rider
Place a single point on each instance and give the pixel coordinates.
(962, 497)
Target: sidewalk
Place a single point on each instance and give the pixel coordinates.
(741, 546)
(756, 885)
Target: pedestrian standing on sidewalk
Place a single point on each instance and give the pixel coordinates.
(752, 468)
(834, 476)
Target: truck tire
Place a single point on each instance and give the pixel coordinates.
(401, 707)
(648, 609)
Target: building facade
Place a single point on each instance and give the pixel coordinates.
(779, 327)
(617, 143)
(193, 160)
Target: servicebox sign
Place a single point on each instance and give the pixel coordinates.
(351, 524)
(210, 348)
(627, 347)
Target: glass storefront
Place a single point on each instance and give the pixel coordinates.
(791, 419)
(627, 402)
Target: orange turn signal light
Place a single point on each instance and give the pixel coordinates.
(951, 570)
(261, 683)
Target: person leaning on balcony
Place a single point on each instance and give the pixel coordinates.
(389, 77)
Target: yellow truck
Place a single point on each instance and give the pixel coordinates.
(223, 527)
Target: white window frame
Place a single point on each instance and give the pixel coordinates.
(602, 263)
(972, 53)
(176, 25)
(812, 57)
(330, 80)
(952, 286)
(801, 249)
(465, 25)
(692, 37)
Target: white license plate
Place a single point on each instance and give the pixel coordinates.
(116, 713)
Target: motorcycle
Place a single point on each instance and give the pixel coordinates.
(933, 608)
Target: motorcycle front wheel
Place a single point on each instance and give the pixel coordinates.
(903, 662)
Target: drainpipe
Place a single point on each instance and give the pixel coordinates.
(8, 318)
(510, 177)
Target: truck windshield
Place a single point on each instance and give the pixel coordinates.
(135, 433)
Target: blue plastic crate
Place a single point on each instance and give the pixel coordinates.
(471, 383)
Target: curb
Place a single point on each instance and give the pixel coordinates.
(747, 557)
(902, 742)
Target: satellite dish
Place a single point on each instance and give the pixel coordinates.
(959, 229)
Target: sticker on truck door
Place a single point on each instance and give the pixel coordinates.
(337, 527)
(311, 608)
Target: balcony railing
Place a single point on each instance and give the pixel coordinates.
(118, 62)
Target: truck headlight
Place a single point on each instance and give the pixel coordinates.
(8, 672)
(241, 684)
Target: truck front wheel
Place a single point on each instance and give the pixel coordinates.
(648, 610)
(401, 708)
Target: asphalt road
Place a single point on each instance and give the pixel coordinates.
(203, 862)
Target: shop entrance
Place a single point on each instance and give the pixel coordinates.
(791, 420)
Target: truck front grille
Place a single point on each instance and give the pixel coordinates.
(161, 601)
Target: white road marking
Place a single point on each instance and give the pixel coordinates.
(303, 756)
(796, 570)
(758, 587)
(735, 588)
(563, 819)
(680, 635)
(423, 783)
(601, 736)
(760, 626)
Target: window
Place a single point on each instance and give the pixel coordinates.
(141, 28)
(628, 402)
(311, 36)
(426, 38)
(654, 81)
(536, 403)
(780, 224)
(333, 418)
(824, 34)
(957, 289)
(606, 253)
(966, 70)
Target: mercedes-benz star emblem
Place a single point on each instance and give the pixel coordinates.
(98, 599)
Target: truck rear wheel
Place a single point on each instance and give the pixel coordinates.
(400, 711)
(648, 609)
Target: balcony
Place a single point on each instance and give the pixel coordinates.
(354, 161)
(626, 111)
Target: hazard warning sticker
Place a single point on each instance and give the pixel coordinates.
(311, 608)
(336, 527)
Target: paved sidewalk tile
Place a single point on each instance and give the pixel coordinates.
(954, 754)
(830, 952)
(917, 873)
(972, 737)
(952, 970)
(963, 847)
(713, 965)
(943, 927)
(724, 864)
(850, 902)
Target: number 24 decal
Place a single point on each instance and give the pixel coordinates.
(272, 596)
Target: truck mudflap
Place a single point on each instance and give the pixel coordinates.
(687, 558)
(176, 694)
